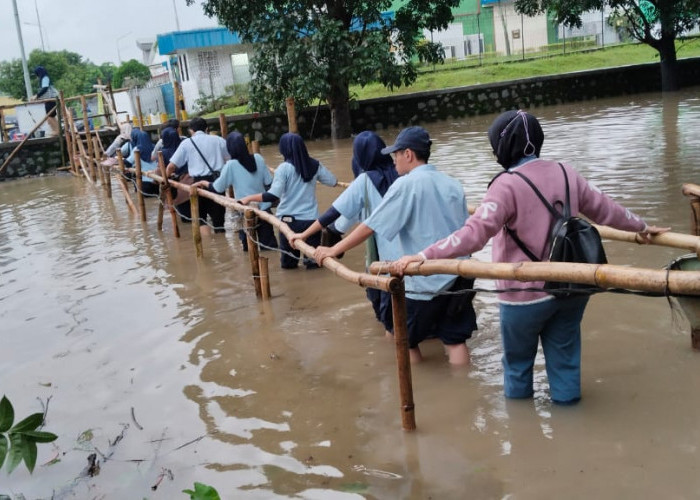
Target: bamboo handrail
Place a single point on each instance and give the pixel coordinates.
(363, 279)
(599, 275)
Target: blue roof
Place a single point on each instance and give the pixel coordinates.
(169, 43)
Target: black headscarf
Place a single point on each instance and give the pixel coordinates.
(142, 140)
(171, 140)
(367, 157)
(515, 135)
(237, 148)
(40, 72)
(294, 151)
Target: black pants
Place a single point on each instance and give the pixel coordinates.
(266, 235)
(289, 262)
(210, 208)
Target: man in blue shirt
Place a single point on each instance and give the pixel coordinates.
(205, 156)
(419, 206)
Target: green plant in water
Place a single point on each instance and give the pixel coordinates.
(18, 442)
(203, 492)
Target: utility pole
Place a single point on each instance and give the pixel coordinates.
(38, 21)
(27, 82)
(177, 21)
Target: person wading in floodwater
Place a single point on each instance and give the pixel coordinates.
(526, 315)
(47, 91)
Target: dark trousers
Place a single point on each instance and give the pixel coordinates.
(210, 208)
(289, 262)
(266, 235)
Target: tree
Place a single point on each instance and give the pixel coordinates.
(316, 49)
(135, 71)
(657, 23)
(67, 70)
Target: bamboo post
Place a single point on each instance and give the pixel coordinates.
(67, 132)
(139, 185)
(123, 184)
(59, 118)
(21, 144)
(108, 180)
(253, 253)
(88, 137)
(176, 96)
(2, 126)
(114, 104)
(403, 362)
(256, 146)
(138, 110)
(97, 159)
(161, 203)
(264, 277)
(194, 209)
(223, 125)
(70, 136)
(291, 115)
(168, 194)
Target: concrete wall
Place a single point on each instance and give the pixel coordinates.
(36, 157)
(430, 106)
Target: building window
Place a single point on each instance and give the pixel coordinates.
(184, 70)
(208, 63)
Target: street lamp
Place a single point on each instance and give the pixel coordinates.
(119, 55)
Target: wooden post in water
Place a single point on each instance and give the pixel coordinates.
(97, 159)
(403, 362)
(253, 253)
(194, 209)
(223, 126)
(88, 138)
(168, 194)
(67, 132)
(291, 115)
(256, 146)
(123, 184)
(264, 277)
(139, 185)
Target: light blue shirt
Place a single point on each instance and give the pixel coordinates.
(355, 204)
(145, 165)
(213, 148)
(419, 209)
(244, 183)
(298, 198)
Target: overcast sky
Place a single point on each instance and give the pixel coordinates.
(94, 28)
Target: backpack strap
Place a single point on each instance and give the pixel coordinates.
(565, 213)
(203, 158)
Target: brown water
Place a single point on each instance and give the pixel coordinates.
(128, 334)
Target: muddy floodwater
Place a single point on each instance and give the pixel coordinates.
(172, 372)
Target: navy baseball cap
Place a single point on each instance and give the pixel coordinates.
(415, 138)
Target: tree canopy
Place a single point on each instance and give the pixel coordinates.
(136, 73)
(68, 71)
(316, 49)
(657, 23)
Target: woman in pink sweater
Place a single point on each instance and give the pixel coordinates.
(530, 316)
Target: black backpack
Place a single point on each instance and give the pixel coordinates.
(572, 239)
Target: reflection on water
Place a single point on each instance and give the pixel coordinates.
(122, 331)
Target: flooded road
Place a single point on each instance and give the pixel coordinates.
(173, 370)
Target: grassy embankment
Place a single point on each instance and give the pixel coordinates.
(464, 73)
